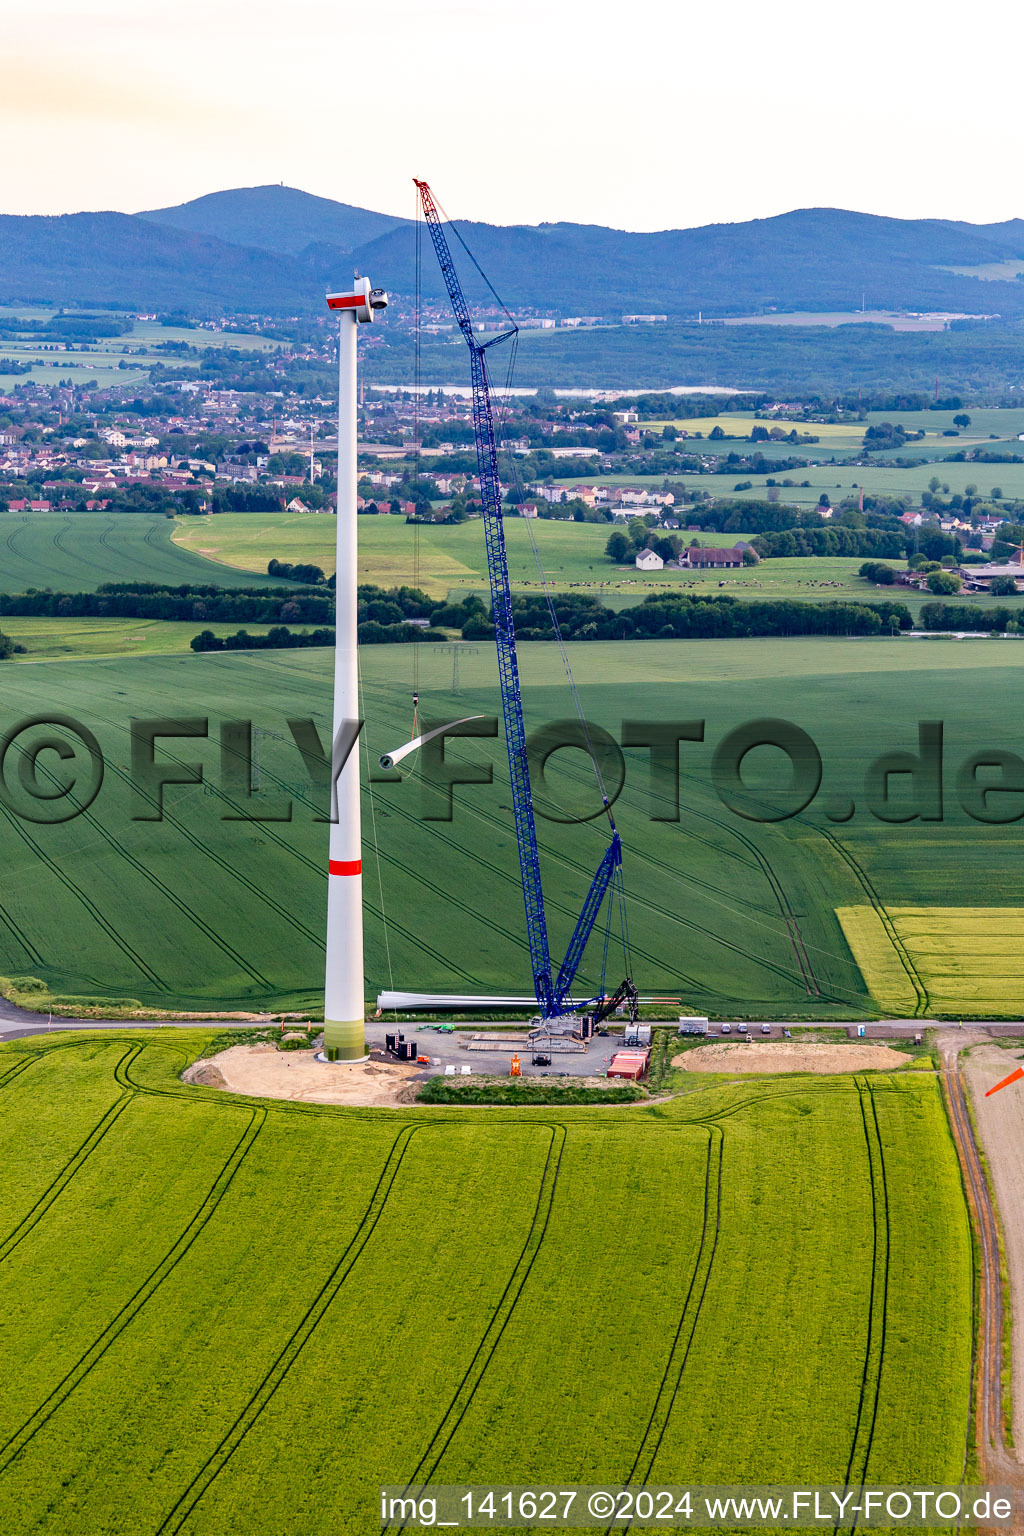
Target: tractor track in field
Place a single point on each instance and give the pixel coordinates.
(148, 538)
(9, 541)
(79, 1157)
(21, 936)
(682, 1342)
(183, 1507)
(997, 1462)
(65, 879)
(553, 903)
(188, 912)
(808, 1086)
(867, 886)
(786, 911)
(761, 861)
(19, 1067)
(505, 931)
(485, 1350)
(27, 1431)
(878, 1304)
(74, 555)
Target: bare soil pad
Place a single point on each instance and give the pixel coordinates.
(782, 1056)
(267, 1073)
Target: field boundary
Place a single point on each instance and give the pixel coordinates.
(867, 886)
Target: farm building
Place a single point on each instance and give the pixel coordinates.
(647, 560)
(699, 558)
(977, 577)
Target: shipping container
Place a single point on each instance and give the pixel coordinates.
(628, 1064)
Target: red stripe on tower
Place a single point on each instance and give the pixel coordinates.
(345, 867)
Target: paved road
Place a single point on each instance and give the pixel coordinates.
(18, 1023)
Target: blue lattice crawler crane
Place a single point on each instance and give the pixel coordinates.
(560, 1018)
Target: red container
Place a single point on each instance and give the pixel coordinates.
(628, 1064)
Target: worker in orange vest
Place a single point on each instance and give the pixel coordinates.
(516, 1068)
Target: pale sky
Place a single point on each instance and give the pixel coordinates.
(644, 115)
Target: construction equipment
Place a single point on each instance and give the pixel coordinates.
(624, 993)
(553, 992)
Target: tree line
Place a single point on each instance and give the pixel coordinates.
(310, 574)
(794, 542)
(280, 638)
(254, 605)
(688, 616)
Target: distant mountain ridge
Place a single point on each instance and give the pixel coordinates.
(275, 218)
(275, 249)
(118, 259)
(813, 258)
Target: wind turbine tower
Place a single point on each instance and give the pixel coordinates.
(344, 992)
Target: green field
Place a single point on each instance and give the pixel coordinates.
(111, 360)
(79, 551)
(828, 466)
(439, 559)
(452, 559)
(841, 480)
(971, 959)
(734, 916)
(315, 1302)
(63, 639)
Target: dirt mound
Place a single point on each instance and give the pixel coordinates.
(203, 1074)
(789, 1056)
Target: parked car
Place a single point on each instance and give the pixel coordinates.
(766, 1029)
(726, 1029)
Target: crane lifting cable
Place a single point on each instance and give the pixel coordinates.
(553, 990)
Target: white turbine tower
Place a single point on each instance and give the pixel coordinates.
(344, 992)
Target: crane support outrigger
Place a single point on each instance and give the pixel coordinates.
(554, 994)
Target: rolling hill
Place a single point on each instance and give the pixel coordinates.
(123, 261)
(276, 218)
(275, 249)
(813, 258)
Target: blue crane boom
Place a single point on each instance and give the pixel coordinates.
(553, 996)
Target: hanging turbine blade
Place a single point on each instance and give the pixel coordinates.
(391, 758)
